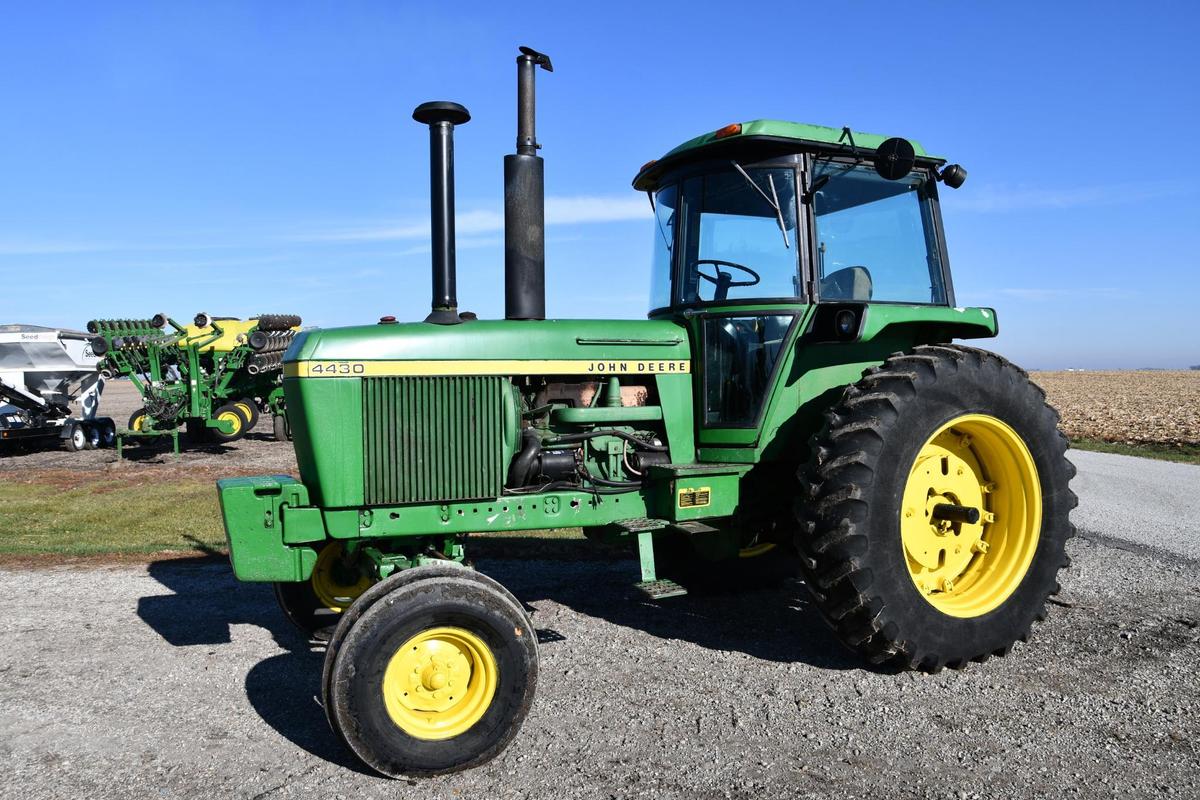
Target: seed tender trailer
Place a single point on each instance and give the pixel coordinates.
(42, 372)
(214, 375)
(794, 394)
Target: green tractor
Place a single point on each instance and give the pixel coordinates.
(794, 397)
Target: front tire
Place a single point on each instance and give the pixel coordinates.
(435, 676)
(942, 427)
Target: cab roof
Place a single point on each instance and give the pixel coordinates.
(766, 137)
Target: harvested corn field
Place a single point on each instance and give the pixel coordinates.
(1133, 407)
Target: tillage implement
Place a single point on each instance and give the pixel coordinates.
(793, 399)
(213, 376)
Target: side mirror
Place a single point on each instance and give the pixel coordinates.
(894, 159)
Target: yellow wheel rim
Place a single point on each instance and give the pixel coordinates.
(440, 683)
(246, 410)
(963, 569)
(755, 550)
(329, 580)
(234, 419)
(139, 422)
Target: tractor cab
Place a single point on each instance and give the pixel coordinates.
(756, 223)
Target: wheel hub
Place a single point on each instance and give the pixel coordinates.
(335, 584)
(973, 464)
(439, 683)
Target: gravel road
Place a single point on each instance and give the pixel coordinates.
(175, 680)
(1154, 503)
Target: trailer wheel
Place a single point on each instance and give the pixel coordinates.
(77, 438)
(314, 605)
(249, 411)
(937, 514)
(138, 420)
(233, 415)
(436, 676)
(91, 436)
(281, 428)
(108, 432)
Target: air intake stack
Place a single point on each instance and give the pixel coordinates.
(524, 203)
(441, 117)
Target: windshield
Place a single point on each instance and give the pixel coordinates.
(875, 238)
(737, 237)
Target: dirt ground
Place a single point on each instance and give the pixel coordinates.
(173, 680)
(1134, 407)
(256, 453)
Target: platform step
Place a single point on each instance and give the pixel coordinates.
(694, 527)
(641, 524)
(660, 589)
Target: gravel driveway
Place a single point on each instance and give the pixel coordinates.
(173, 680)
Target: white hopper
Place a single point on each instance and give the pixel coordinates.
(54, 365)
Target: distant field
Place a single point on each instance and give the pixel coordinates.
(1143, 412)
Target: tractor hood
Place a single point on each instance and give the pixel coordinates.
(492, 347)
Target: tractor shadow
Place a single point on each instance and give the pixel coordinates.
(283, 689)
(775, 622)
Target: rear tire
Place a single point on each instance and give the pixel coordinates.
(402, 721)
(898, 584)
(138, 420)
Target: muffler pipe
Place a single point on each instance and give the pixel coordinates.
(441, 116)
(524, 202)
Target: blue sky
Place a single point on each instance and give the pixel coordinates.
(238, 158)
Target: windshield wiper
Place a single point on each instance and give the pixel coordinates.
(772, 200)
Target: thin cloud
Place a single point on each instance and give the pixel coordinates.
(1001, 198)
(56, 248)
(578, 210)
(1042, 294)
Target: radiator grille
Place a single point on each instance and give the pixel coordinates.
(432, 438)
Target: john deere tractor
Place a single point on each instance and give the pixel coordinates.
(794, 396)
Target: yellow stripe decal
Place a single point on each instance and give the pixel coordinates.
(340, 368)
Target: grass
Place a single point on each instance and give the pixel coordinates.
(76, 516)
(109, 517)
(1184, 453)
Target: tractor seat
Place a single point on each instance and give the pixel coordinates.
(851, 283)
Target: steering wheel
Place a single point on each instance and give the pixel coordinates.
(723, 281)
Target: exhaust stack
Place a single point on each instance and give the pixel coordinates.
(441, 116)
(524, 203)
